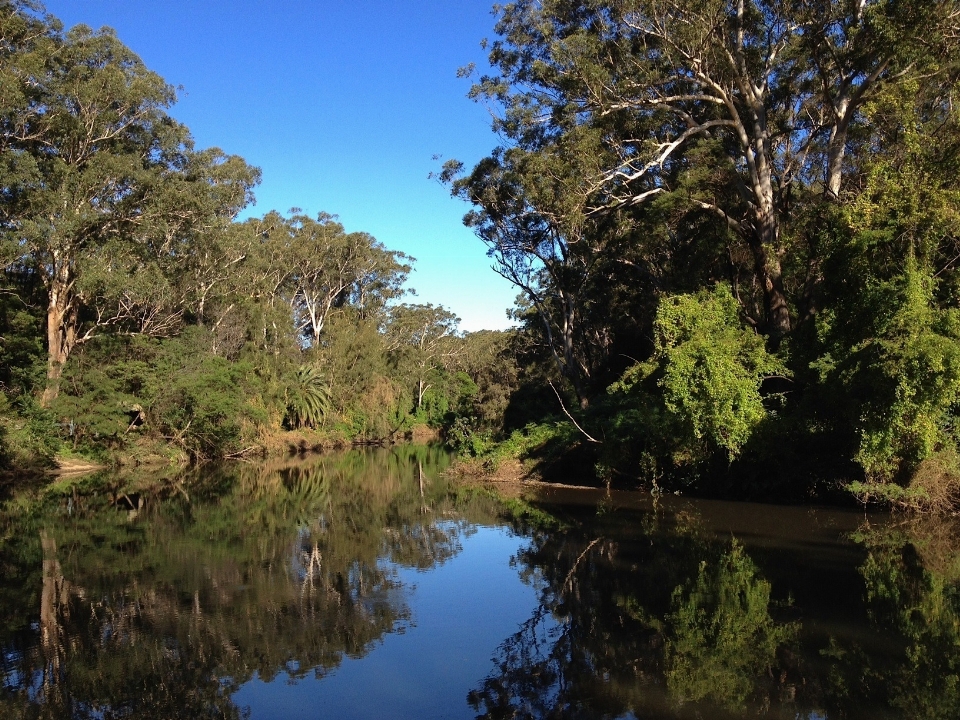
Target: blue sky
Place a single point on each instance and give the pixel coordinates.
(342, 106)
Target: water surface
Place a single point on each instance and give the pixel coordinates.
(366, 584)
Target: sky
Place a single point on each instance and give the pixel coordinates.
(343, 106)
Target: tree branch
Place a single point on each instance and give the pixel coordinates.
(575, 423)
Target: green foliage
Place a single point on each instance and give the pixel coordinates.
(423, 344)
(22, 354)
(485, 387)
(712, 367)
(915, 372)
(201, 403)
(704, 292)
(29, 435)
(96, 404)
(913, 588)
(890, 340)
(646, 221)
(546, 442)
(325, 270)
(696, 397)
(465, 438)
(175, 389)
(108, 188)
(488, 376)
(352, 356)
(722, 636)
(934, 486)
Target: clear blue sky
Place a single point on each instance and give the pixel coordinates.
(343, 106)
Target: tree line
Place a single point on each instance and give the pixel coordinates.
(135, 304)
(734, 225)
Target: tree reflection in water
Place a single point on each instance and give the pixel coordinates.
(162, 611)
(670, 621)
(912, 579)
(622, 630)
(721, 638)
(161, 601)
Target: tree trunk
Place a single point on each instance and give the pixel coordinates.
(54, 595)
(770, 274)
(835, 154)
(571, 366)
(837, 146)
(564, 356)
(765, 243)
(572, 370)
(61, 333)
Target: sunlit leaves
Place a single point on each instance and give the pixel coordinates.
(712, 367)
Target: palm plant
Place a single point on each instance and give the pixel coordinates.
(308, 397)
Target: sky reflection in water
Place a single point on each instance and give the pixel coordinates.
(460, 613)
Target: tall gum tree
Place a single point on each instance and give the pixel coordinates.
(773, 89)
(531, 213)
(107, 184)
(324, 268)
(425, 338)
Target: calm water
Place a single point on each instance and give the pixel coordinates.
(364, 585)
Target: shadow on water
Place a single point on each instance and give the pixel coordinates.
(142, 599)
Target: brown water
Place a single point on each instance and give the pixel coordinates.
(366, 585)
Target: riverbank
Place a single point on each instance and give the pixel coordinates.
(32, 461)
(557, 454)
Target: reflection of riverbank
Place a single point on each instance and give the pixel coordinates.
(232, 574)
(156, 455)
(174, 598)
(675, 608)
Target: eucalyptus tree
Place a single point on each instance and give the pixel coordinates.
(327, 268)
(489, 358)
(108, 186)
(193, 227)
(533, 215)
(888, 351)
(730, 109)
(221, 287)
(424, 339)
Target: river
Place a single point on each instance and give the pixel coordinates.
(367, 584)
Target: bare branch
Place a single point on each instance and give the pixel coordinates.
(575, 423)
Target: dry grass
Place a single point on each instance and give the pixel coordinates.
(422, 434)
(935, 486)
(509, 471)
(294, 441)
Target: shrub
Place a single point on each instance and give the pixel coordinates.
(712, 367)
(697, 398)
